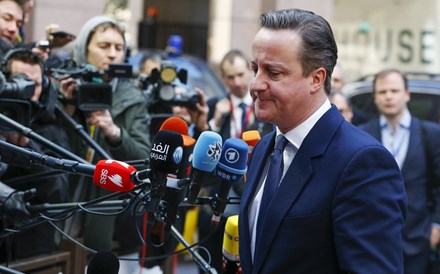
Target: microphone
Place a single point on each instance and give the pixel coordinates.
(230, 169)
(251, 137)
(175, 124)
(178, 125)
(103, 262)
(114, 175)
(231, 257)
(206, 156)
(108, 174)
(165, 157)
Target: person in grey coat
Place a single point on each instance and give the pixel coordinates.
(121, 131)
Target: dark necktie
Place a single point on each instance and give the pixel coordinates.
(273, 177)
(243, 107)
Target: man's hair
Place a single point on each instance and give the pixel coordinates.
(22, 55)
(231, 55)
(25, 56)
(319, 48)
(153, 56)
(335, 92)
(20, 3)
(386, 72)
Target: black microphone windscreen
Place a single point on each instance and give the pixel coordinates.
(103, 262)
(166, 152)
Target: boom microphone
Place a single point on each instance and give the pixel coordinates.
(165, 157)
(206, 156)
(230, 169)
(108, 174)
(231, 256)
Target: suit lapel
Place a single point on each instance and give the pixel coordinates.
(375, 130)
(296, 178)
(414, 144)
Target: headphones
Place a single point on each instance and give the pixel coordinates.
(28, 57)
(44, 109)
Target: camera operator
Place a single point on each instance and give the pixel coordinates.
(52, 189)
(194, 113)
(122, 130)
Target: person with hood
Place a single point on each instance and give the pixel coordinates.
(120, 131)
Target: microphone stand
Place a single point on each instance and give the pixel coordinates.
(5, 270)
(40, 139)
(80, 130)
(196, 256)
(63, 208)
(70, 208)
(30, 177)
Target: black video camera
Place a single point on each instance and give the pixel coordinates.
(160, 91)
(92, 93)
(15, 100)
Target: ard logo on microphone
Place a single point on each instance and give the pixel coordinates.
(232, 156)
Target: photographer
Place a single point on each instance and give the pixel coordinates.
(121, 131)
(188, 105)
(43, 121)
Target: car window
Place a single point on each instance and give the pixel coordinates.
(424, 103)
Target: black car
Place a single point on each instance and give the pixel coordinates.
(424, 89)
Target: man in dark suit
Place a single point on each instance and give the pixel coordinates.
(340, 204)
(404, 136)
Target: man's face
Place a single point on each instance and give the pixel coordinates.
(106, 47)
(344, 108)
(33, 72)
(279, 88)
(337, 78)
(237, 76)
(149, 65)
(11, 19)
(390, 95)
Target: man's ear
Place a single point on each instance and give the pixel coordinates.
(318, 78)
